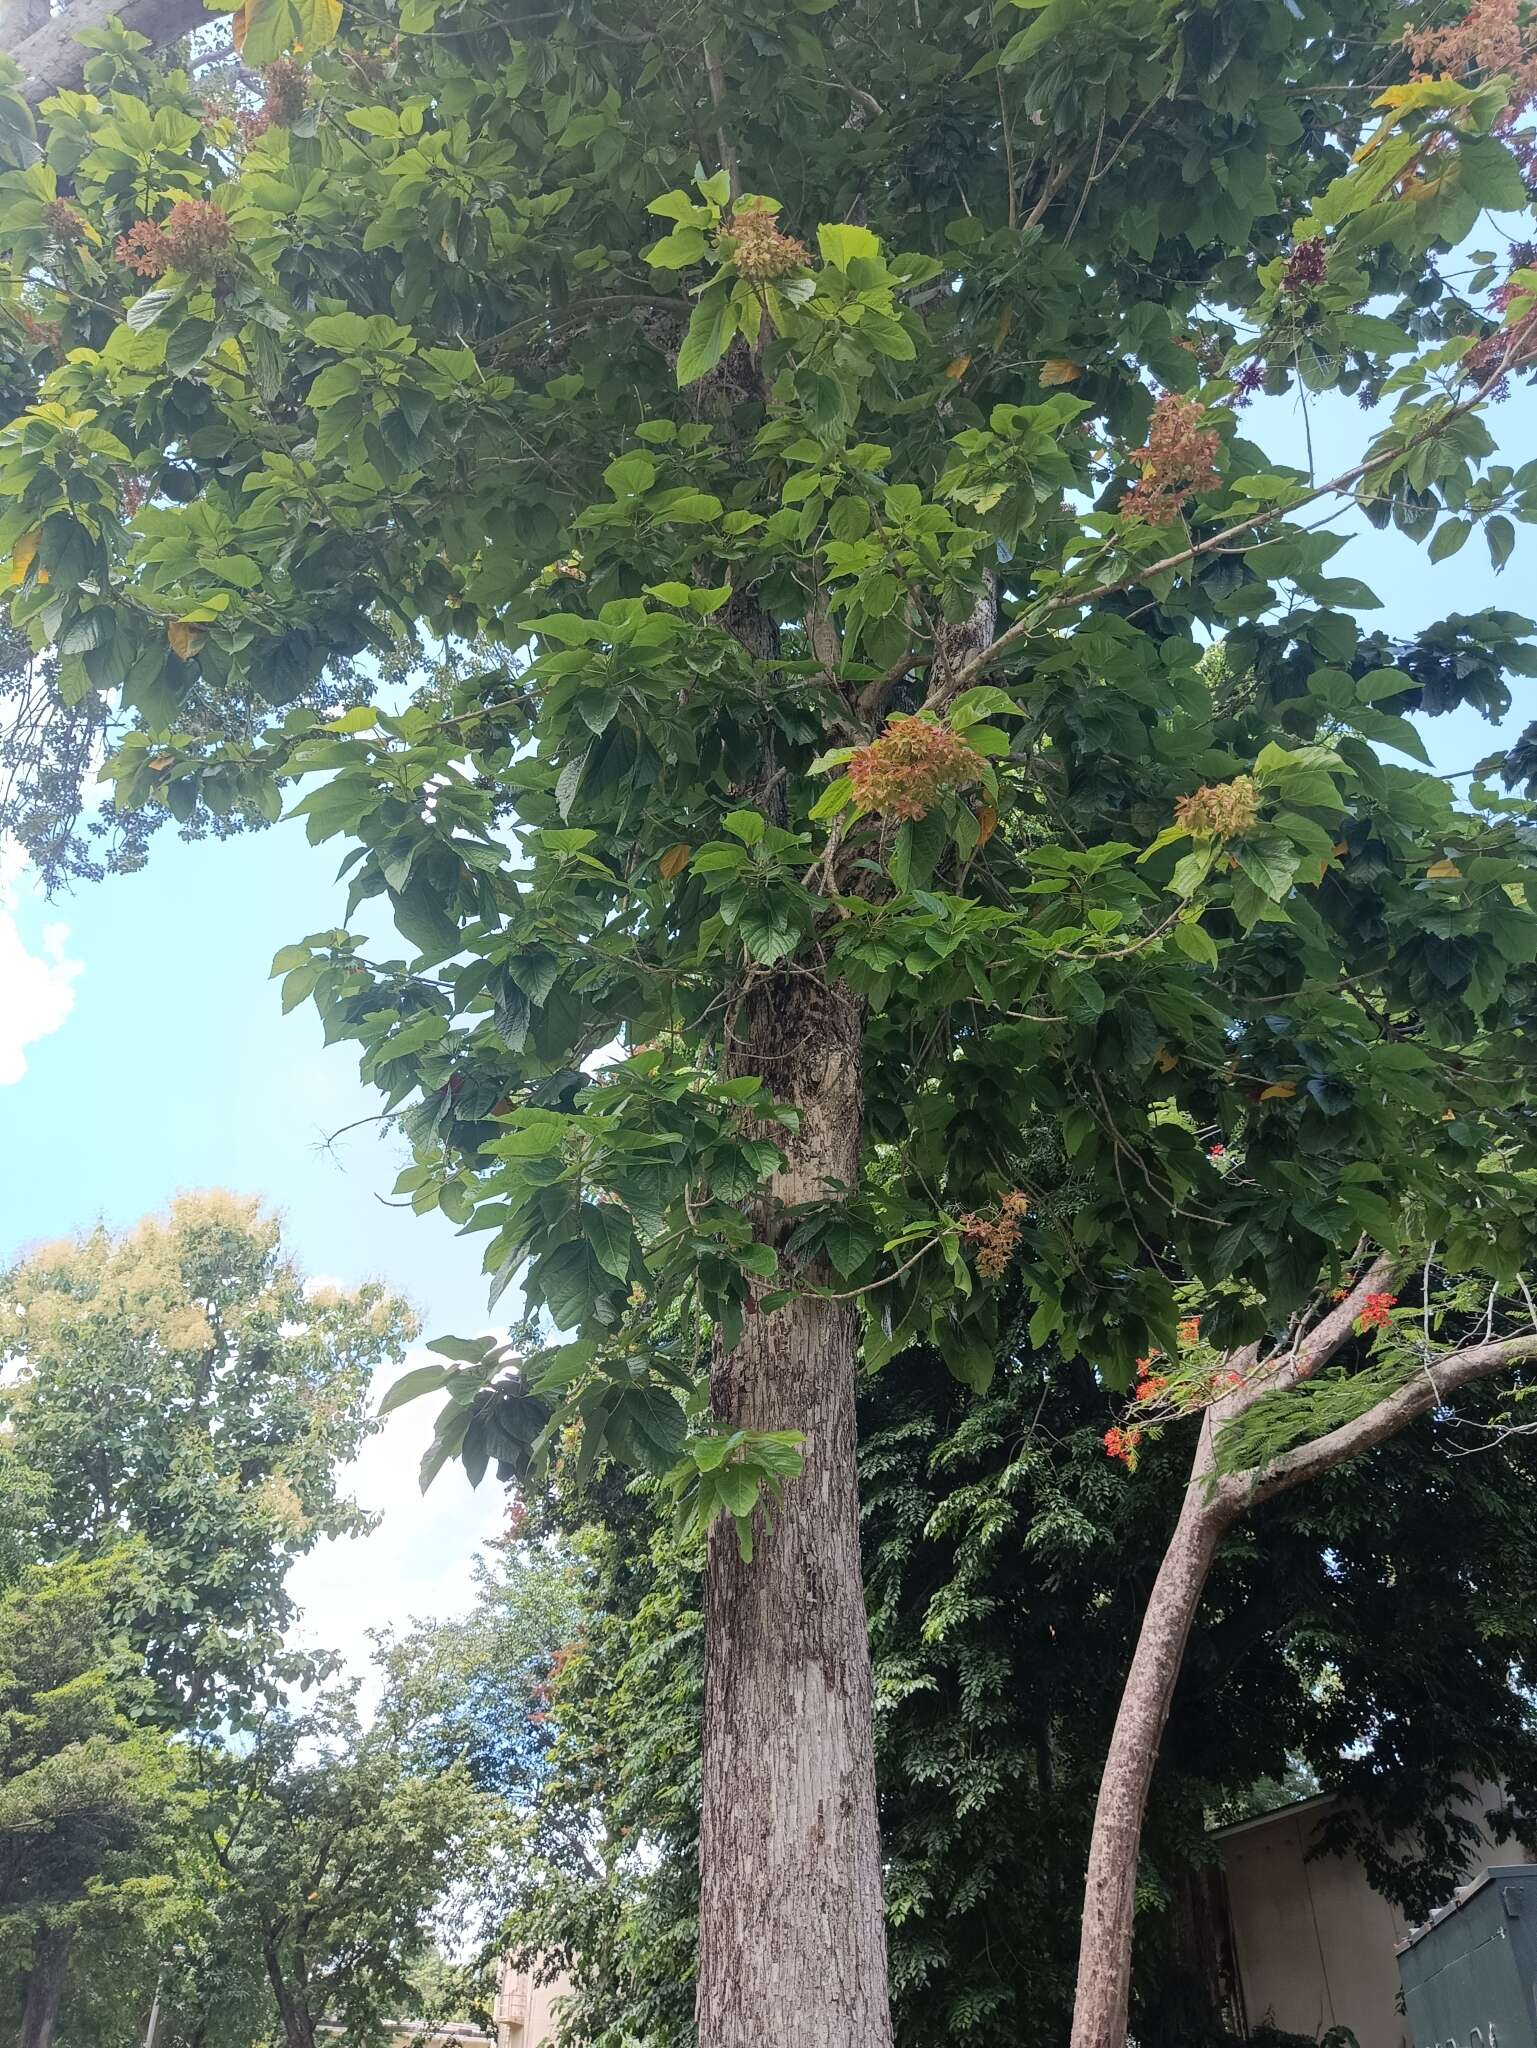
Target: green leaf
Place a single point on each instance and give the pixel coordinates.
(840, 243)
(710, 328)
(608, 1230)
(1270, 862)
(1194, 943)
(647, 1427)
(1449, 537)
(145, 311)
(1501, 538)
(421, 1379)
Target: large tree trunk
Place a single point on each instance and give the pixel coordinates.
(792, 1934)
(1110, 1886)
(45, 1986)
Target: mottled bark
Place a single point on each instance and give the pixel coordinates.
(791, 1924)
(50, 58)
(1110, 1886)
(45, 1986)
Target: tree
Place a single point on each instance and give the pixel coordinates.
(828, 728)
(1008, 1562)
(332, 1858)
(178, 1386)
(89, 1795)
(1271, 1418)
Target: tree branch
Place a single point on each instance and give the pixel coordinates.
(1416, 1397)
(52, 61)
(1069, 600)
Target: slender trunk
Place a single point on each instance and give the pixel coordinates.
(1110, 1886)
(792, 1929)
(45, 1986)
(298, 2028)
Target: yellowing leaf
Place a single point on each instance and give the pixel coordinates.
(1278, 1091)
(25, 553)
(1444, 871)
(185, 639)
(237, 28)
(1060, 370)
(987, 823)
(1001, 331)
(958, 368)
(675, 859)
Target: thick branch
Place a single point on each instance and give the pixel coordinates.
(1416, 1397)
(52, 61)
(1319, 1345)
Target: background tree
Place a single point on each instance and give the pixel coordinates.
(90, 1796)
(179, 1387)
(335, 1861)
(866, 784)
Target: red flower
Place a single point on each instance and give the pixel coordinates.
(1216, 1151)
(1376, 1314)
(1122, 1444)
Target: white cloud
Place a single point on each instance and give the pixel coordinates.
(418, 1561)
(36, 984)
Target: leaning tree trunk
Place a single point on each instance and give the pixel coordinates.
(1110, 1885)
(792, 1932)
(45, 1986)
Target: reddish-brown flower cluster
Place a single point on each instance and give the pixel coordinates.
(757, 246)
(198, 236)
(195, 239)
(1151, 1386)
(1250, 378)
(910, 767)
(131, 492)
(1307, 265)
(1487, 40)
(65, 222)
(288, 92)
(251, 125)
(1122, 1444)
(1179, 460)
(42, 333)
(1188, 1330)
(1220, 810)
(996, 1238)
(143, 250)
(1376, 1314)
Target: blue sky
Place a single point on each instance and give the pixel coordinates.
(142, 1051)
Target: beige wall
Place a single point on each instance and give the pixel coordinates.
(1314, 1942)
(525, 2010)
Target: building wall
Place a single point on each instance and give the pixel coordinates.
(1314, 1942)
(525, 2009)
